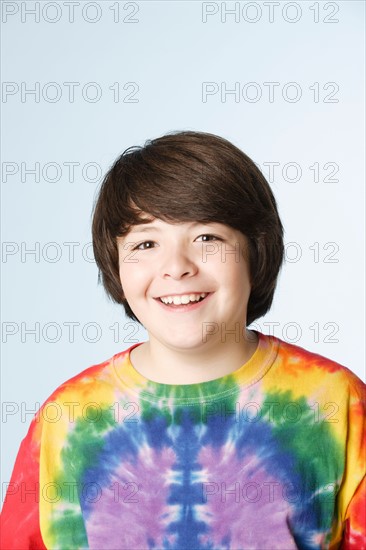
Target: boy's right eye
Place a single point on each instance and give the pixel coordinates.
(137, 247)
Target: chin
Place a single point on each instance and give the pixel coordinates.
(183, 341)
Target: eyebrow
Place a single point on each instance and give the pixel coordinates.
(142, 228)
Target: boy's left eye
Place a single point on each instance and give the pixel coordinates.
(211, 236)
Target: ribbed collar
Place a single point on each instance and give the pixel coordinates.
(246, 375)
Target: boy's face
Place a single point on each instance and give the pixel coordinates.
(160, 259)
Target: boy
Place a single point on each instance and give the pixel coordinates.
(208, 435)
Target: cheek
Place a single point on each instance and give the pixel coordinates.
(232, 264)
(134, 279)
(237, 277)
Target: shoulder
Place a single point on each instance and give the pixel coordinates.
(95, 382)
(83, 400)
(298, 363)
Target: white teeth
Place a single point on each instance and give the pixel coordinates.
(184, 299)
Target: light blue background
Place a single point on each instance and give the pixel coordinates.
(169, 53)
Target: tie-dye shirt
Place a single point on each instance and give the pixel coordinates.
(270, 456)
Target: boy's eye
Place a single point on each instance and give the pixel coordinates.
(211, 236)
(138, 247)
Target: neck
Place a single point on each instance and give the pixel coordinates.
(214, 359)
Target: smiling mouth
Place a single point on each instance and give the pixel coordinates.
(183, 300)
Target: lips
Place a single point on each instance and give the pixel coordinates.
(182, 293)
(183, 307)
(183, 299)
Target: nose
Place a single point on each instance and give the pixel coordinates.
(178, 263)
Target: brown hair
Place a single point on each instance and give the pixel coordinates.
(182, 177)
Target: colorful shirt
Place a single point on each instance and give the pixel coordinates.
(270, 456)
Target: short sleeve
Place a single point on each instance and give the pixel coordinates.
(354, 532)
(20, 526)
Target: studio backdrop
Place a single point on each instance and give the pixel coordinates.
(82, 81)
